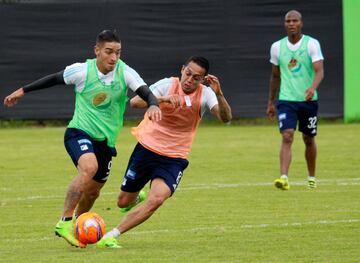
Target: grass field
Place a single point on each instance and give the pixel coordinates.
(225, 210)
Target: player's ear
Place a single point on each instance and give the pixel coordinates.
(96, 50)
(182, 68)
(204, 81)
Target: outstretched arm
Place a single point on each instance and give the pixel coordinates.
(145, 98)
(222, 110)
(45, 82)
(274, 87)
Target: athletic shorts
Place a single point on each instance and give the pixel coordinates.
(145, 165)
(305, 113)
(78, 142)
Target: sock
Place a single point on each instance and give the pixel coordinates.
(312, 178)
(63, 218)
(113, 233)
(137, 199)
(284, 176)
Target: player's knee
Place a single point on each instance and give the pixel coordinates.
(308, 140)
(89, 169)
(122, 202)
(125, 200)
(287, 137)
(154, 202)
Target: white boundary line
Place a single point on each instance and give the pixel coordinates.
(339, 182)
(223, 229)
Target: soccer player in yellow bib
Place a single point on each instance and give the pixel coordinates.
(297, 70)
(101, 86)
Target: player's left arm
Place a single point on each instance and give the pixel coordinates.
(137, 84)
(221, 110)
(160, 90)
(150, 101)
(319, 75)
(318, 65)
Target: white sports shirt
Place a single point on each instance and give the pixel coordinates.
(162, 88)
(314, 50)
(76, 74)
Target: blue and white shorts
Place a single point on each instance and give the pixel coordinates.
(78, 142)
(292, 112)
(145, 165)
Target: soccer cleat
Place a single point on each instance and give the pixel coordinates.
(108, 242)
(282, 184)
(311, 183)
(65, 229)
(140, 198)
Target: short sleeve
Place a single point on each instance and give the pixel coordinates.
(209, 99)
(315, 50)
(274, 53)
(132, 78)
(161, 87)
(75, 74)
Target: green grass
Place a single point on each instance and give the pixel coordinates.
(225, 210)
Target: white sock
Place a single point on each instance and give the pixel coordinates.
(311, 178)
(113, 233)
(137, 200)
(284, 176)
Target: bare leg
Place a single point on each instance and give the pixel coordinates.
(90, 194)
(285, 150)
(87, 167)
(310, 153)
(159, 192)
(125, 199)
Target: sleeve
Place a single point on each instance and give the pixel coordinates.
(76, 74)
(209, 97)
(274, 53)
(132, 78)
(315, 50)
(45, 82)
(161, 87)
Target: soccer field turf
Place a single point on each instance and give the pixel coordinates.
(225, 210)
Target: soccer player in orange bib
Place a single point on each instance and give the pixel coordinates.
(160, 155)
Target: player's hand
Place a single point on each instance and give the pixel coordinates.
(214, 84)
(154, 113)
(270, 112)
(173, 99)
(309, 94)
(13, 98)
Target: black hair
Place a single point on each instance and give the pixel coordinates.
(201, 61)
(107, 36)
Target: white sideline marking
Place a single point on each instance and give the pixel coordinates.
(339, 182)
(213, 228)
(232, 228)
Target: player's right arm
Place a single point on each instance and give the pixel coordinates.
(160, 90)
(274, 87)
(45, 82)
(274, 79)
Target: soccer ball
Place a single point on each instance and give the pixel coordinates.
(89, 228)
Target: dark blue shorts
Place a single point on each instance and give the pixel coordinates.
(145, 165)
(290, 113)
(78, 142)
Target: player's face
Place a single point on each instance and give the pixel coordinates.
(293, 24)
(107, 55)
(191, 76)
